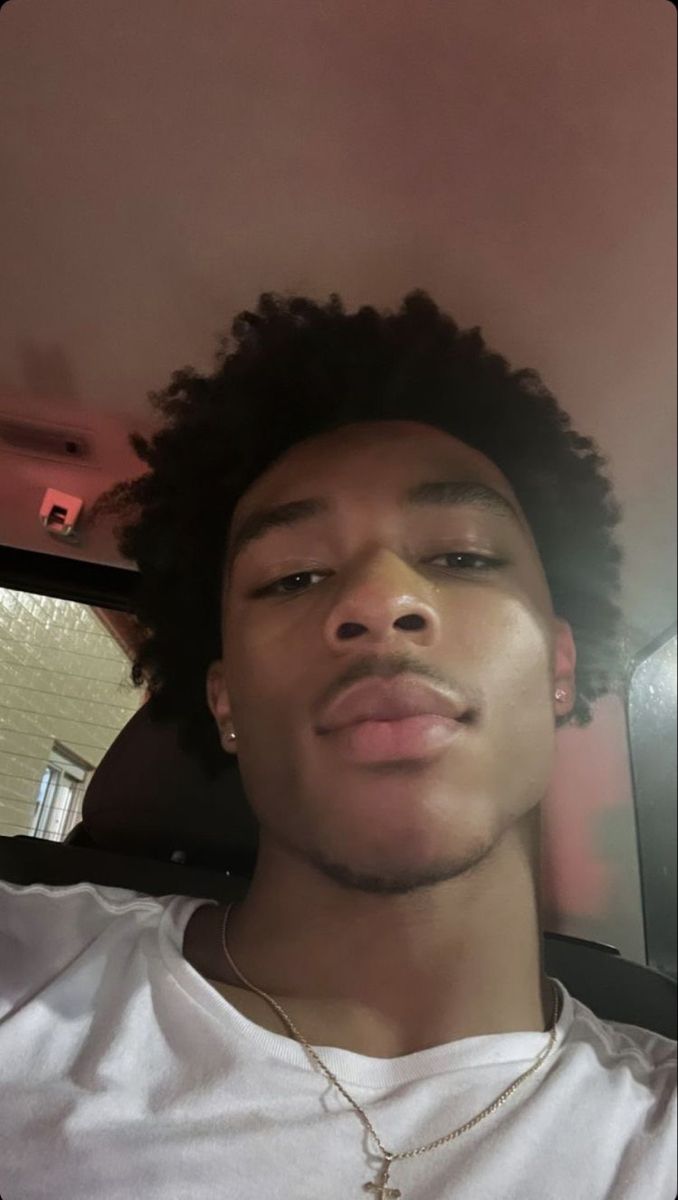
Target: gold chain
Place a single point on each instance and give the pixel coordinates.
(389, 1156)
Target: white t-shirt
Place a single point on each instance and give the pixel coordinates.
(124, 1074)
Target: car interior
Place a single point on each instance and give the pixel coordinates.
(124, 269)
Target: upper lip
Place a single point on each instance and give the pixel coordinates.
(383, 700)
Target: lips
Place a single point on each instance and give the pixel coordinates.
(389, 700)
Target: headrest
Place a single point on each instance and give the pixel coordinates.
(149, 797)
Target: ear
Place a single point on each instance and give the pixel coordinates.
(219, 703)
(564, 667)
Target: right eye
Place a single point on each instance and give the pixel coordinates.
(276, 587)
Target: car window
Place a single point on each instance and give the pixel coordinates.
(652, 736)
(65, 694)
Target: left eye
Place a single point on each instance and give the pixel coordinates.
(472, 562)
(463, 561)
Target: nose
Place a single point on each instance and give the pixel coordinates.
(382, 604)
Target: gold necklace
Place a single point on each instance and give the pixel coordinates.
(380, 1187)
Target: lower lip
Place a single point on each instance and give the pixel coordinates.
(409, 737)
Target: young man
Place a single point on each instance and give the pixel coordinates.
(379, 568)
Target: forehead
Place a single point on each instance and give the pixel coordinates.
(372, 456)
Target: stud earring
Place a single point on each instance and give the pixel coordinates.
(561, 694)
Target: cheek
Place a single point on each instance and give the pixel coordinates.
(265, 671)
(507, 652)
(513, 659)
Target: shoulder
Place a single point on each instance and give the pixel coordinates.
(633, 1058)
(44, 927)
(22, 906)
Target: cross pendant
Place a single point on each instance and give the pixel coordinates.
(381, 1189)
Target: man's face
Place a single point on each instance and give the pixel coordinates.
(452, 594)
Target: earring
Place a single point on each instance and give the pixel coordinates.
(561, 694)
(231, 737)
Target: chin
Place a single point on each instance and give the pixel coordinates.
(398, 875)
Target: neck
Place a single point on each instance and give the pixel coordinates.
(390, 975)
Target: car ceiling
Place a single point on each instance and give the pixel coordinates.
(165, 163)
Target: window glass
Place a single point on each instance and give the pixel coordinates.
(65, 694)
(652, 734)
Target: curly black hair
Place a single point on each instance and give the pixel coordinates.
(299, 368)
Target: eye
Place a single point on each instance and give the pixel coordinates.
(462, 561)
(277, 589)
(466, 561)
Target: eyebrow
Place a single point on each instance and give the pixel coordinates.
(441, 493)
